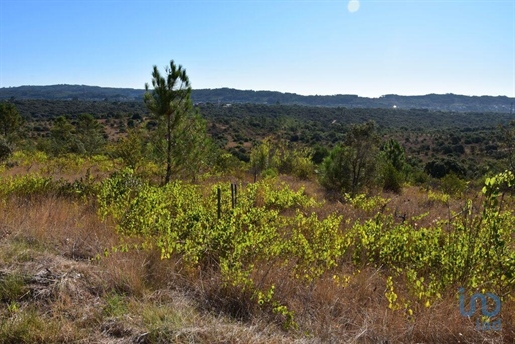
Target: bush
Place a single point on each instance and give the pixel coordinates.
(439, 168)
(282, 159)
(392, 179)
(336, 170)
(419, 177)
(352, 165)
(295, 162)
(452, 185)
(5, 150)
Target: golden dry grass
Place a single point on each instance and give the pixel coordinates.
(72, 291)
(68, 285)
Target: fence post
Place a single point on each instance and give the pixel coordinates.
(219, 197)
(233, 194)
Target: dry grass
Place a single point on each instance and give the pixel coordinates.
(70, 291)
(68, 294)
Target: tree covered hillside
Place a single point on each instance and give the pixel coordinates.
(443, 102)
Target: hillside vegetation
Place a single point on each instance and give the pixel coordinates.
(253, 223)
(442, 102)
(95, 256)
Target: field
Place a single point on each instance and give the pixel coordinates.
(94, 252)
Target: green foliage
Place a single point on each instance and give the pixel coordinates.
(163, 322)
(103, 163)
(180, 220)
(228, 163)
(393, 165)
(441, 167)
(180, 140)
(453, 185)
(507, 142)
(115, 192)
(63, 139)
(25, 158)
(295, 161)
(394, 154)
(470, 248)
(261, 156)
(434, 136)
(337, 170)
(23, 327)
(316, 244)
(84, 188)
(418, 104)
(391, 178)
(273, 228)
(28, 185)
(319, 154)
(33, 185)
(10, 120)
(66, 162)
(12, 287)
(5, 150)
(86, 137)
(438, 197)
(419, 177)
(116, 306)
(368, 204)
(390, 294)
(130, 149)
(170, 103)
(192, 151)
(352, 166)
(269, 156)
(90, 135)
(494, 186)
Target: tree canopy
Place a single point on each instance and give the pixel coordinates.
(10, 119)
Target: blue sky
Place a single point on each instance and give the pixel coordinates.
(306, 47)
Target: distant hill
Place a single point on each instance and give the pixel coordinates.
(443, 102)
(70, 92)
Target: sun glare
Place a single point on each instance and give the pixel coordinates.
(353, 6)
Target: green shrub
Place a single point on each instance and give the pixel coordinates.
(5, 150)
(453, 185)
(391, 179)
(419, 177)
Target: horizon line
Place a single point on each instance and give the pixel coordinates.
(292, 93)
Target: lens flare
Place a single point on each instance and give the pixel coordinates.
(353, 6)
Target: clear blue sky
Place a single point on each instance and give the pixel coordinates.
(306, 47)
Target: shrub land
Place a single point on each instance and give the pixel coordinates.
(174, 226)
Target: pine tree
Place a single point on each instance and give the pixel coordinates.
(169, 102)
(186, 140)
